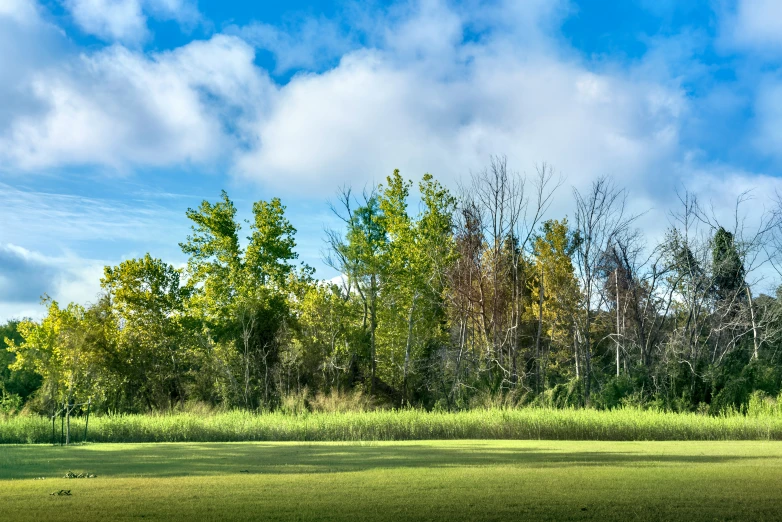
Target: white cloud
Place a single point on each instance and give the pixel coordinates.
(768, 117)
(426, 101)
(25, 276)
(27, 44)
(67, 239)
(121, 20)
(754, 28)
(718, 188)
(432, 87)
(436, 88)
(754, 25)
(118, 108)
(741, 202)
(21, 11)
(126, 20)
(421, 98)
(306, 44)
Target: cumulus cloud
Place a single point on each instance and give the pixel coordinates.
(753, 30)
(754, 25)
(307, 43)
(126, 20)
(432, 87)
(21, 11)
(121, 20)
(422, 86)
(435, 88)
(428, 100)
(28, 43)
(118, 107)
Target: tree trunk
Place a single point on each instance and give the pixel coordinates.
(68, 423)
(754, 325)
(616, 279)
(372, 326)
(540, 331)
(575, 350)
(266, 377)
(407, 349)
(587, 358)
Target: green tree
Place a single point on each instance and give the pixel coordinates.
(16, 386)
(554, 296)
(58, 350)
(271, 248)
(728, 278)
(360, 255)
(152, 348)
(418, 253)
(328, 335)
(239, 294)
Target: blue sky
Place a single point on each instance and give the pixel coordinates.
(117, 115)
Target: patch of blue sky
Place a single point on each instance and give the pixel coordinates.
(652, 91)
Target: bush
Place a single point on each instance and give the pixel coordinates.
(294, 403)
(567, 395)
(500, 399)
(761, 404)
(614, 392)
(342, 402)
(10, 402)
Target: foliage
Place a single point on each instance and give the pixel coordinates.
(59, 350)
(16, 386)
(475, 300)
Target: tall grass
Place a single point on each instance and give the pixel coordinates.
(528, 423)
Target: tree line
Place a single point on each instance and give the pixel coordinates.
(477, 298)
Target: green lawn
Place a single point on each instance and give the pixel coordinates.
(428, 480)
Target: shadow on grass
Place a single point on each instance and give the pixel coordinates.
(199, 459)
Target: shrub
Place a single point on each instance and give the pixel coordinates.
(341, 402)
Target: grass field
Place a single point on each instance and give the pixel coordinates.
(394, 425)
(427, 480)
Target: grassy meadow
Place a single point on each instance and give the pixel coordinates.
(395, 425)
(420, 480)
(538, 464)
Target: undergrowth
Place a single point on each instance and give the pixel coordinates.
(762, 423)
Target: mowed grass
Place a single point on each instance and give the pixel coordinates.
(421, 480)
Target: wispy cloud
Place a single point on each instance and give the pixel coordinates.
(68, 239)
(305, 43)
(65, 218)
(125, 21)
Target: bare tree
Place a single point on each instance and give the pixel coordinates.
(600, 218)
(497, 216)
